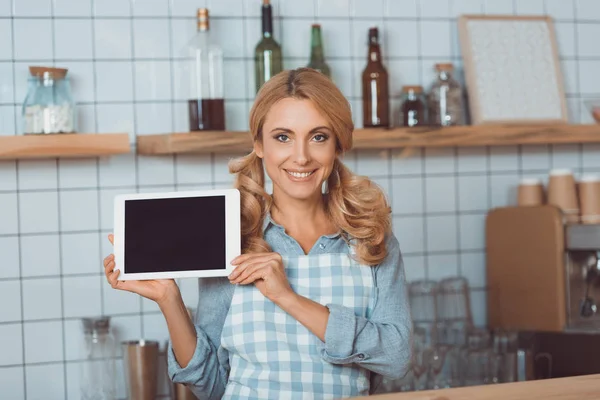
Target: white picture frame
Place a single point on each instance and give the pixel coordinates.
(232, 234)
(512, 70)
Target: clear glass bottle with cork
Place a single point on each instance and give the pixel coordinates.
(204, 64)
(49, 106)
(445, 98)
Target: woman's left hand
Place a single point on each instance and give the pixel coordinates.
(266, 271)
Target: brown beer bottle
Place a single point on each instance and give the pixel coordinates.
(376, 103)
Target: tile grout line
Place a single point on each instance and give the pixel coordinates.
(456, 174)
(503, 172)
(19, 241)
(18, 196)
(397, 97)
(135, 130)
(59, 215)
(395, 214)
(422, 153)
(175, 156)
(457, 213)
(116, 315)
(580, 149)
(279, 17)
(408, 254)
(98, 163)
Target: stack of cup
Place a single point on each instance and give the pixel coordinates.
(562, 193)
(589, 195)
(531, 192)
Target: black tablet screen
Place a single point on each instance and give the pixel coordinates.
(178, 234)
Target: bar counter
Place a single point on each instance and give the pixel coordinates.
(574, 388)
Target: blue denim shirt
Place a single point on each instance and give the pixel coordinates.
(380, 343)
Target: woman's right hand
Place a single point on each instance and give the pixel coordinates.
(159, 290)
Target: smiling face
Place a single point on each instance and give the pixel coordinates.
(298, 149)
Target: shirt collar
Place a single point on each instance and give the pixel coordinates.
(268, 221)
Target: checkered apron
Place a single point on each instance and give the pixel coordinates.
(273, 356)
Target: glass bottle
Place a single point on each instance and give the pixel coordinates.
(317, 56)
(376, 102)
(97, 370)
(413, 107)
(206, 105)
(445, 98)
(49, 106)
(267, 55)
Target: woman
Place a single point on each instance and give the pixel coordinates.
(316, 305)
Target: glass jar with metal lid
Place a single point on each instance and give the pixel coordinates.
(97, 369)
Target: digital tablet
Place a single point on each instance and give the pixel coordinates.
(176, 234)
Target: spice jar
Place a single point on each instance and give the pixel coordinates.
(49, 105)
(445, 98)
(413, 107)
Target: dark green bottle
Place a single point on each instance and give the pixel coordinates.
(317, 57)
(267, 55)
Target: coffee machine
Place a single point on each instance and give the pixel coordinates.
(583, 277)
(543, 280)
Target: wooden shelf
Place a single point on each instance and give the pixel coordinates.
(455, 136)
(67, 145)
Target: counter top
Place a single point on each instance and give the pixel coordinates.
(575, 388)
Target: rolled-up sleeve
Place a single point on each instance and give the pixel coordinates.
(382, 342)
(203, 374)
(207, 372)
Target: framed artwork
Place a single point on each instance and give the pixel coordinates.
(512, 70)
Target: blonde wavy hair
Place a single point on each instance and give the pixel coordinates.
(355, 204)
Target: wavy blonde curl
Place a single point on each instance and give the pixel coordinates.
(355, 204)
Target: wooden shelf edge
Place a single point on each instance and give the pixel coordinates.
(67, 145)
(377, 138)
(194, 142)
(476, 135)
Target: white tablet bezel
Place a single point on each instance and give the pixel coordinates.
(232, 233)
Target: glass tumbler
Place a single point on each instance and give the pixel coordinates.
(453, 299)
(478, 359)
(422, 356)
(423, 299)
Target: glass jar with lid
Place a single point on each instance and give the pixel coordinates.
(445, 98)
(49, 106)
(98, 370)
(413, 106)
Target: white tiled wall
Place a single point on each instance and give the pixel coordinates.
(122, 56)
